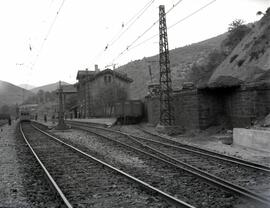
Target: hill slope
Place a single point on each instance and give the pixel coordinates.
(26, 86)
(11, 94)
(48, 87)
(250, 59)
(181, 60)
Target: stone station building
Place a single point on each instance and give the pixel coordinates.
(91, 101)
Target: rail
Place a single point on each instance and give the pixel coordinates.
(172, 199)
(55, 185)
(202, 174)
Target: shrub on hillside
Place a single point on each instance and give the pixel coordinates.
(237, 31)
(201, 73)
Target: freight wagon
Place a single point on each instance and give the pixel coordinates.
(27, 112)
(129, 111)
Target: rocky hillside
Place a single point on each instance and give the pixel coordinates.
(250, 59)
(48, 87)
(11, 94)
(181, 60)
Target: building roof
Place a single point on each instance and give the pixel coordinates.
(82, 73)
(113, 72)
(93, 74)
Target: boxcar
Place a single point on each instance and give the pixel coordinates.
(27, 112)
(25, 115)
(129, 111)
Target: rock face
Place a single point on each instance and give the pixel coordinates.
(249, 61)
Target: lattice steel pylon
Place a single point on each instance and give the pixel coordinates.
(166, 99)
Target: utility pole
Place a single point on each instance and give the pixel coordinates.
(150, 69)
(61, 122)
(150, 73)
(166, 99)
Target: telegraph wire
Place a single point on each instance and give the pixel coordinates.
(173, 25)
(47, 35)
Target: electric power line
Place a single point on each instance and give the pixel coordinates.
(193, 13)
(47, 34)
(135, 19)
(148, 29)
(179, 21)
(127, 25)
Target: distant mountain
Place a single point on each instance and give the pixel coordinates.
(48, 87)
(11, 94)
(181, 61)
(26, 86)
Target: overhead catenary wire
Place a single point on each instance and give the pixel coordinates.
(47, 34)
(171, 26)
(126, 26)
(147, 30)
(193, 13)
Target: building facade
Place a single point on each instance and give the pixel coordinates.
(97, 91)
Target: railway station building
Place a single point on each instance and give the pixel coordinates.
(97, 91)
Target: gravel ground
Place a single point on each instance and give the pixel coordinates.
(92, 185)
(23, 184)
(207, 141)
(11, 186)
(115, 155)
(204, 140)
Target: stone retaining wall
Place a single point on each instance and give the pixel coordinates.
(230, 107)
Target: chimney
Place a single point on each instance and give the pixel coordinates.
(96, 68)
(86, 69)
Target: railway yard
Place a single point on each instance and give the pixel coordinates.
(187, 127)
(91, 165)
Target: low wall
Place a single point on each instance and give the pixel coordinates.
(256, 139)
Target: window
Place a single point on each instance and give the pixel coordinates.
(109, 79)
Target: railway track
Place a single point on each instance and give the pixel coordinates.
(254, 177)
(85, 181)
(159, 138)
(131, 142)
(240, 172)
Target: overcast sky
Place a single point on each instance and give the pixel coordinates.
(83, 29)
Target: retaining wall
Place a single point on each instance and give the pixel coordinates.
(256, 139)
(230, 107)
